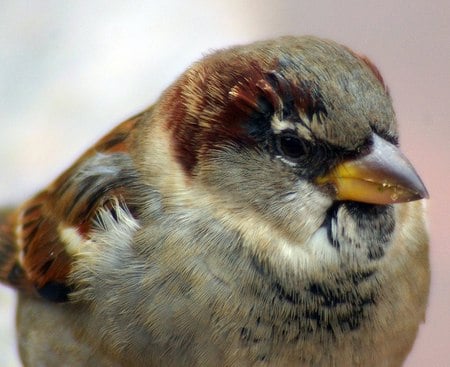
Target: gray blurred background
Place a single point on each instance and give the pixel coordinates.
(69, 71)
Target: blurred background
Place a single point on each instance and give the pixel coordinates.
(70, 71)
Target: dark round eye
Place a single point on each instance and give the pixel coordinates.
(290, 146)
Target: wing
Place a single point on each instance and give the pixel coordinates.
(37, 240)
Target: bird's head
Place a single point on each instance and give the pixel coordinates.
(294, 138)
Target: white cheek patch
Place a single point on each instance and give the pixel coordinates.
(311, 258)
(322, 249)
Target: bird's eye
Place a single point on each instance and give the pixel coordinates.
(290, 146)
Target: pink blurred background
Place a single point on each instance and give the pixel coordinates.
(69, 71)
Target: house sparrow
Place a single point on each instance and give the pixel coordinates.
(260, 213)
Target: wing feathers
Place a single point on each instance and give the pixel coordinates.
(35, 250)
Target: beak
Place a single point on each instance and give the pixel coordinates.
(384, 176)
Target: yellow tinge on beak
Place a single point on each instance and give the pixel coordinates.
(384, 176)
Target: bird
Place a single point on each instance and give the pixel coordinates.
(259, 213)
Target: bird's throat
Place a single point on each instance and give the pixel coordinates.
(361, 232)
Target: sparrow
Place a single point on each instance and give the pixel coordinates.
(260, 213)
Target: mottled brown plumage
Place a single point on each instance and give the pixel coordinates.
(258, 214)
